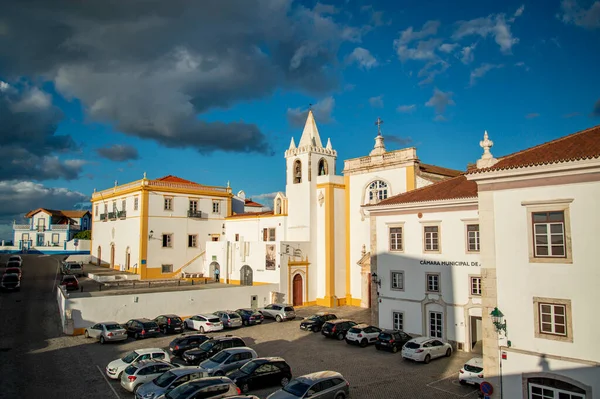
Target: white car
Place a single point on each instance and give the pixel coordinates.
(204, 323)
(472, 372)
(116, 367)
(362, 334)
(423, 349)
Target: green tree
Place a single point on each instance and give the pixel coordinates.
(84, 235)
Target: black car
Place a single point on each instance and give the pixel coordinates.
(250, 317)
(337, 328)
(315, 322)
(10, 282)
(186, 342)
(392, 340)
(169, 323)
(262, 372)
(141, 328)
(211, 347)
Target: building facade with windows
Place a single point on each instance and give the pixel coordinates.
(540, 222)
(424, 254)
(50, 230)
(157, 228)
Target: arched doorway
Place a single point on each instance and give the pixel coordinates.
(127, 258)
(112, 256)
(297, 290)
(212, 267)
(99, 255)
(246, 275)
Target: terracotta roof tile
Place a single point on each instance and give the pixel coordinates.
(453, 188)
(175, 179)
(574, 147)
(438, 170)
(250, 214)
(56, 213)
(249, 202)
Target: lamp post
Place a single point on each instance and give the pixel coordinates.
(151, 234)
(498, 320)
(375, 279)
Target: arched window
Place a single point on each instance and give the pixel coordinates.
(323, 170)
(378, 191)
(297, 172)
(278, 206)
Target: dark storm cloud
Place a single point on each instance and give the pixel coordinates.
(118, 152)
(150, 67)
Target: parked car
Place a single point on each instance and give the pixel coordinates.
(229, 319)
(75, 268)
(169, 323)
(243, 397)
(14, 270)
(262, 372)
(70, 282)
(337, 328)
(15, 259)
(141, 372)
(116, 367)
(167, 381)
(315, 322)
(13, 263)
(10, 282)
(472, 372)
(322, 385)
(362, 334)
(205, 388)
(227, 360)
(278, 311)
(204, 323)
(142, 328)
(423, 349)
(185, 342)
(250, 317)
(211, 347)
(108, 331)
(392, 340)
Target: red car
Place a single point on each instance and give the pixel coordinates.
(70, 282)
(13, 270)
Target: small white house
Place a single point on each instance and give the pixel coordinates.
(425, 265)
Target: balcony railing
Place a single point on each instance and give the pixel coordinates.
(21, 226)
(112, 215)
(52, 227)
(197, 214)
(122, 214)
(104, 217)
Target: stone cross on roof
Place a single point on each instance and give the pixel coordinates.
(379, 122)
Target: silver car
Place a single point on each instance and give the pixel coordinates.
(107, 331)
(229, 318)
(168, 381)
(279, 311)
(227, 360)
(322, 385)
(210, 387)
(141, 372)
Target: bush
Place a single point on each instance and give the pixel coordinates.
(84, 235)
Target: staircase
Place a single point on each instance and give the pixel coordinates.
(181, 272)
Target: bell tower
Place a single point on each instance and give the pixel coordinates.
(304, 164)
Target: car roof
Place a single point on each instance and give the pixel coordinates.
(390, 331)
(239, 349)
(148, 350)
(207, 381)
(263, 360)
(167, 315)
(420, 340)
(206, 315)
(109, 322)
(143, 320)
(149, 362)
(281, 304)
(335, 321)
(220, 337)
(362, 325)
(476, 361)
(318, 376)
(10, 274)
(179, 371)
(69, 276)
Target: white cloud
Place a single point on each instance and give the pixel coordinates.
(363, 58)
(409, 35)
(532, 115)
(448, 47)
(376, 102)
(325, 9)
(407, 109)
(321, 110)
(481, 71)
(4, 86)
(467, 54)
(424, 51)
(519, 11)
(440, 101)
(431, 70)
(33, 100)
(573, 13)
(494, 25)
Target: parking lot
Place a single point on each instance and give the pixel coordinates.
(37, 360)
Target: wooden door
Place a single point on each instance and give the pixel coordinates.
(99, 255)
(112, 256)
(297, 290)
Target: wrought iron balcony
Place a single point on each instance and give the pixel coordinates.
(122, 214)
(104, 217)
(112, 215)
(197, 214)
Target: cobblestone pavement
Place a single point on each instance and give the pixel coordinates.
(40, 362)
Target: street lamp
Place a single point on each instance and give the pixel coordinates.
(151, 234)
(375, 279)
(498, 320)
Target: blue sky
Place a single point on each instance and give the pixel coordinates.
(214, 93)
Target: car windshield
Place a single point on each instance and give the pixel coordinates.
(249, 367)
(13, 259)
(207, 345)
(130, 357)
(165, 379)
(355, 330)
(111, 327)
(412, 345)
(314, 317)
(214, 320)
(149, 325)
(131, 370)
(176, 319)
(68, 279)
(220, 357)
(10, 270)
(473, 369)
(182, 391)
(385, 336)
(288, 309)
(10, 278)
(234, 316)
(296, 388)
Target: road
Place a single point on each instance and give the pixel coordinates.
(35, 359)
